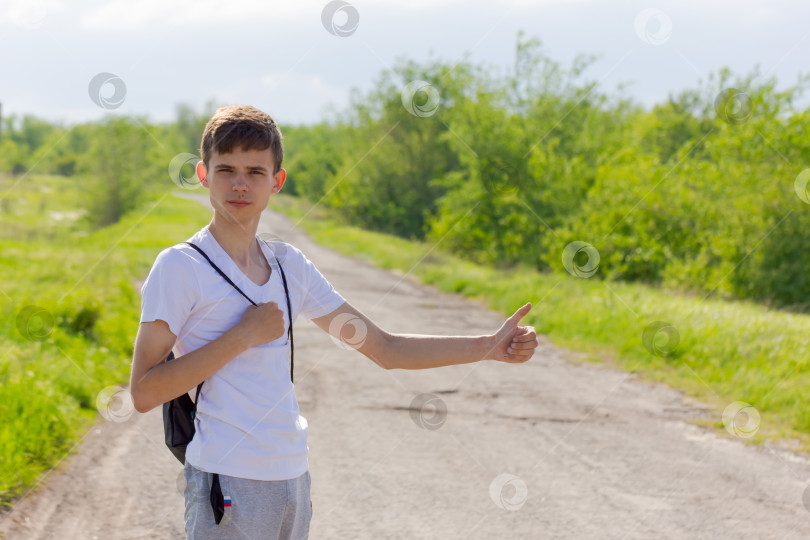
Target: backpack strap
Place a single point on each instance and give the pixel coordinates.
(289, 313)
(221, 273)
(286, 294)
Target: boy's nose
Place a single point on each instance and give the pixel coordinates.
(240, 182)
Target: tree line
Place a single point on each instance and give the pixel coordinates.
(703, 192)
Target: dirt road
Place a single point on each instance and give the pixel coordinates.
(548, 449)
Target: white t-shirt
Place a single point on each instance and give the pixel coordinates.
(248, 423)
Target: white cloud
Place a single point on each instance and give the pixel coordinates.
(131, 15)
(289, 97)
(277, 55)
(28, 14)
(126, 14)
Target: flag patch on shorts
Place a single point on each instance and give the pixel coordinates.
(227, 502)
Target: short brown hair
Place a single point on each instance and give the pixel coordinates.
(241, 127)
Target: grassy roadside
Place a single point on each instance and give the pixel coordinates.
(716, 351)
(70, 308)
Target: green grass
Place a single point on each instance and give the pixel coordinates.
(58, 356)
(727, 351)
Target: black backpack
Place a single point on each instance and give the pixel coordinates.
(178, 414)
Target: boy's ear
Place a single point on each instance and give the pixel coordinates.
(202, 174)
(280, 177)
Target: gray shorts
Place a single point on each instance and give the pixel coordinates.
(277, 509)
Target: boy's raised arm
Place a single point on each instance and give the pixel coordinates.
(511, 343)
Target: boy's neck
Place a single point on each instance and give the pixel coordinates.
(236, 239)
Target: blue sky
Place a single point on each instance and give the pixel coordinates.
(280, 57)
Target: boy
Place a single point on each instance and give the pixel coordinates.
(248, 429)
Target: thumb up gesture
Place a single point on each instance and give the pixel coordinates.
(515, 344)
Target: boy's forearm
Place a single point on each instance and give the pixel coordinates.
(413, 351)
(168, 380)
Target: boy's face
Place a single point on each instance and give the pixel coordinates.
(241, 182)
